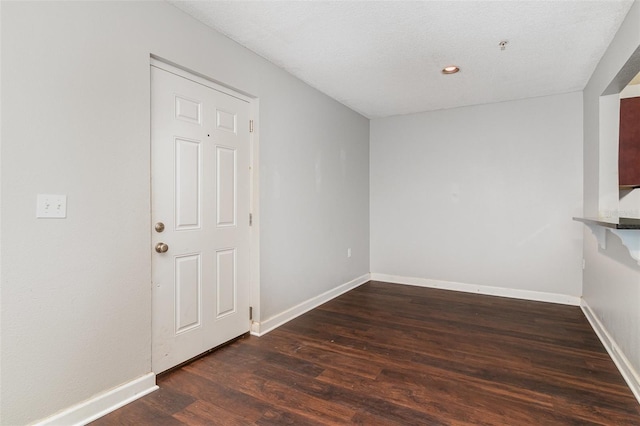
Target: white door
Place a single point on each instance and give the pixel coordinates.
(200, 193)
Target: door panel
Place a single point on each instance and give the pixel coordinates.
(226, 282)
(187, 185)
(188, 110)
(226, 121)
(188, 301)
(200, 191)
(226, 191)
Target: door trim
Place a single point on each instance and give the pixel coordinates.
(254, 172)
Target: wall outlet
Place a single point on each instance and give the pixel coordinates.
(51, 206)
(348, 252)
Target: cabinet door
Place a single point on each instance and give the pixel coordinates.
(629, 148)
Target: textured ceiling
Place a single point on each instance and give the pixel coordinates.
(384, 58)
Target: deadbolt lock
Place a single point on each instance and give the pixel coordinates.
(159, 227)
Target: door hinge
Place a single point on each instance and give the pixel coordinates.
(250, 126)
(250, 219)
(251, 312)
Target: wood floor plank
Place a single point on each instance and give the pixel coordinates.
(401, 355)
(295, 347)
(272, 385)
(205, 413)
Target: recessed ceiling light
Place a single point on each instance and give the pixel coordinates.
(451, 69)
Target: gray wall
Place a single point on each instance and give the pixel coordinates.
(481, 195)
(611, 284)
(76, 294)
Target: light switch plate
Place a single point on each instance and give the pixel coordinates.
(51, 206)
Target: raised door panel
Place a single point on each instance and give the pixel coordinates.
(188, 160)
(226, 186)
(188, 297)
(226, 282)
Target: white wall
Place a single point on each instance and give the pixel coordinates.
(481, 195)
(76, 295)
(611, 285)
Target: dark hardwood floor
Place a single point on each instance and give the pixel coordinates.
(386, 354)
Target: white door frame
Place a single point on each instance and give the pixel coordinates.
(254, 153)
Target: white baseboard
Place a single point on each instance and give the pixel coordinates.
(629, 374)
(104, 403)
(480, 289)
(263, 327)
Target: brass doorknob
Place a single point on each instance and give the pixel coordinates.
(162, 248)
